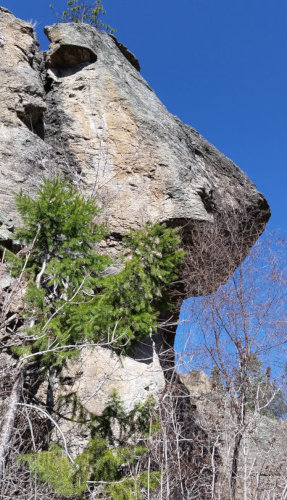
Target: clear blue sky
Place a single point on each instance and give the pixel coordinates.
(219, 65)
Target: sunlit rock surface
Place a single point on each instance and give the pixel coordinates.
(84, 109)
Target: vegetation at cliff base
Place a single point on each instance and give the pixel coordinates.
(111, 462)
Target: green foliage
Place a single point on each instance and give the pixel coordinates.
(68, 300)
(60, 220)
(106, 460)
(53, 467)
(98, 464)
(81, 11)
(131, 488)
(141, 421)
(127, 308)
(63, 268)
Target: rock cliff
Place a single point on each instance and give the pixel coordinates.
(83, 109)
(262, 458)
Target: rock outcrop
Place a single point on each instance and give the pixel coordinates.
(108, 127)
(134, 380)
(83, 109)
(95, 375)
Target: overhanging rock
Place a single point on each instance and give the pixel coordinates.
(83, 108)
(97, 119)
(143, 163)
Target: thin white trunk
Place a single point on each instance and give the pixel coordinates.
(39, 276)
(8, 421)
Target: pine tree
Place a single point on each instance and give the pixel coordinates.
(68, 299)
(81, 11)
(262, 392)
(63, 268)
(68, 302)
(110, 458)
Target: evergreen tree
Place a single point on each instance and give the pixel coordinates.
(262, 392)
(131, 301)
(68, 302)
(81, 11)
(108, 458)
(216, 379)
(63, 268)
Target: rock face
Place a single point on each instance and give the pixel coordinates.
(93, 377)
(95, 381)
(90, 113)
(109, 128)
(197, 382)
(22, 150)
(84, 109)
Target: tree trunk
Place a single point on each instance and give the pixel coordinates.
(234, 466)
(8, 421)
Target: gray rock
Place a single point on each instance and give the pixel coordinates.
(262, 454)
(6, 235)
(117, 137)
(85, 110)
(94, 117)
(23, 153)
(5, 220)
(133, 380)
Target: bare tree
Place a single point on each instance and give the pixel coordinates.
(240, 331)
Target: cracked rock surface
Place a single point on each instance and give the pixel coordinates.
(84, 109)
(108, 125)
(23, 153)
